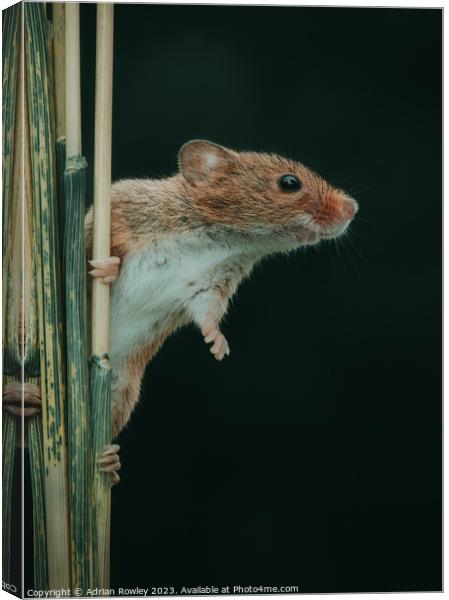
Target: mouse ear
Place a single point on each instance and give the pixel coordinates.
(200, 161)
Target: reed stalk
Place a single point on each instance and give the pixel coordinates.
(100, 370)
(59, 67)
(60, 101)
(11, 264)
(75, 268)
(43, 176)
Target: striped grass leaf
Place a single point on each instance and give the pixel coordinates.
(10, 55)
(77, 369)
(36, 452)
(100, 385)
(9, 442)
(31, 363)
(43, 176)
(11, 262)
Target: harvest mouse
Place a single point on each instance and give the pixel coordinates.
(181, 246)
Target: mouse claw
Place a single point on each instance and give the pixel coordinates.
(106, 269)
(109, 462)
(220, 347)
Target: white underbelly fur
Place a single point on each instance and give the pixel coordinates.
(153, 286)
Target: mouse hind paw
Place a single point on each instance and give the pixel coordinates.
(109, 462)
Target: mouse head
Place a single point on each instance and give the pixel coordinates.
(263, 193)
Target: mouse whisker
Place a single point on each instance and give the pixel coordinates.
(354, 256)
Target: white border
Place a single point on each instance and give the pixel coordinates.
(331, 3)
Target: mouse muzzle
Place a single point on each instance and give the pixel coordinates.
(333, 213)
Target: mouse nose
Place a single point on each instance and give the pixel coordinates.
(349, 208)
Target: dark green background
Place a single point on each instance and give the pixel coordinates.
(312, 455)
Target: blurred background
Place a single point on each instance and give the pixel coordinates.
(312, 455)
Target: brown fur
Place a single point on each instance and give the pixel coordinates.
(129, 394)
(241, 192)
(215, 187)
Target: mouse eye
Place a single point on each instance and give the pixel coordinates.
(289, 183)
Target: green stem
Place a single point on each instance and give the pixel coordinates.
(101, 420)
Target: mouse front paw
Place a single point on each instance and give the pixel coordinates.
(109, 462)
(107, 269)
(220, 346)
